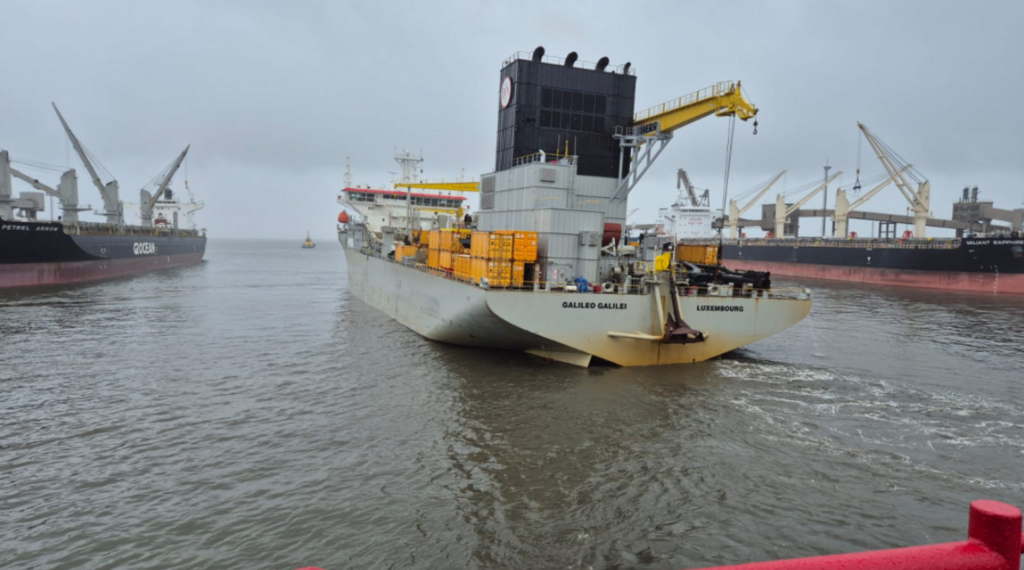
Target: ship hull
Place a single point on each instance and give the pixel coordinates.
(41, 253)
(983, 265)
(572, 328)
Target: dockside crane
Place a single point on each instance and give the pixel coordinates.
(782, 212)
(652, 128)
(735, 211)
(147, 201)
(920, 199)
(113, 210)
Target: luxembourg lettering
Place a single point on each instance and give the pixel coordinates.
(144, 248)
(575, 305)
(724, 308)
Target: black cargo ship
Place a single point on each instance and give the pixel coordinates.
(49, 253)
(993, 264)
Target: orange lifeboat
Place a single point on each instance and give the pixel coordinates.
(343, 218)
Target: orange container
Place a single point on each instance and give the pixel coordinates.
(410, 251)
(434, 239)
(499, 273)
(518, 269)
(477, 269)
(446, 260)
(480, 244)
(399, 252)
(500, 246)
(433, 258)
(524, 247)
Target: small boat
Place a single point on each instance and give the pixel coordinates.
(308, 244)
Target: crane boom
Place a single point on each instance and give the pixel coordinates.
(35, 183)
(782, 212)
(656, 124)
(735, 211)
(919, 199)
(147, 202)
(682, 178)
(451, 186)
(721, 99)
(109, 192)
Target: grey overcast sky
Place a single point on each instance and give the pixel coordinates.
(274, 95)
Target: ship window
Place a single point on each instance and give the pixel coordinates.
(567, 100)
(556, 101)
(545, 118)
(545, 97)
(588, 103)
(588, 123)
(577, 122)
(577, 101)
(599, 103)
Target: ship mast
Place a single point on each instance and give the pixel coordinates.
(410, 173)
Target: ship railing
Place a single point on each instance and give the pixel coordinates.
(556, 60)
(546, 158)
(861, 243)
(716, 90)
(98, 228)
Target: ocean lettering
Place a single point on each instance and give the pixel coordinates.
(144, 248)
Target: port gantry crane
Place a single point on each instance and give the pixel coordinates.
(735, 211)
(920, 200)
(114, 212)
(147, 201)
(656, 124)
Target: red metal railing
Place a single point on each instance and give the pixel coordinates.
(994, 542)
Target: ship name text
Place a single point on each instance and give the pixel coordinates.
(144, 248)
(725, 308)
(575, 305)
(996, 242)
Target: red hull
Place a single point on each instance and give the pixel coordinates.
(949, 280)
(56, 273)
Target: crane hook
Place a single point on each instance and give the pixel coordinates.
(755, 126)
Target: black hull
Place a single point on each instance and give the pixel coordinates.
(42, 253)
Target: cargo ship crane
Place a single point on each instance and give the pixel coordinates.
(735, 211)
(683, 179)
(844, 207)
(111, 198)
(920, 200)
(66, 192)
(782, 212)
(146, 202)
(656, 124)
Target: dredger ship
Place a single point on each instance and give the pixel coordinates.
(545, 266)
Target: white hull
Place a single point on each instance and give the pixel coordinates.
(568, 327)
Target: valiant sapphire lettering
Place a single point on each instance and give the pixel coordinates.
(723, 308)
(575, 305)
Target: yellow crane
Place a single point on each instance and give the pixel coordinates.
(441, 185)
(655, 124)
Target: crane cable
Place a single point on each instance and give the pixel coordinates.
(725, 184)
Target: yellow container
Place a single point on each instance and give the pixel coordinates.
(433, 258)
(499, 273)
(461, 266)
(477, 269)
(445, 261)
(501, 245)
(518, 268)
(434, 240)
(480, 244)
(410, 250)
(399, 252)
(525, 246)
